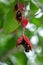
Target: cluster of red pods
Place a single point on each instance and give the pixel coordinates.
(22, 40)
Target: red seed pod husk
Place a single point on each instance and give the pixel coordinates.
(19, 41)
(24, 22)
(25, 38)
(19, 6)
(28, 41)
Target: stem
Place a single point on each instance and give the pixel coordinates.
(1, 30)
(23, 31)
(18, 3)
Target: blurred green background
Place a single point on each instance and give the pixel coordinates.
(10, 30)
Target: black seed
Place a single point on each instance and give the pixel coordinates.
(16, 7)
(19, 15)
(23, 42)
(26, 50)
(19, 18)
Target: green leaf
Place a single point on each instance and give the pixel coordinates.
(33, 7)
(41, 1)
(9, 62)
(19, 58)
(1, 18)
(39, 59)
(10, 23)
(37, 21)
(11, 43)
(40, 43)
(7, 42)
(28, 33)
(5, 8)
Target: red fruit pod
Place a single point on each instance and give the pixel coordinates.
(21, 6)
(24, 41)
(24, 22)
(19, 41)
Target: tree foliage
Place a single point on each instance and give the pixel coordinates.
(10, 30)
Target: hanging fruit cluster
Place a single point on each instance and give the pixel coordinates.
(23, 40)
